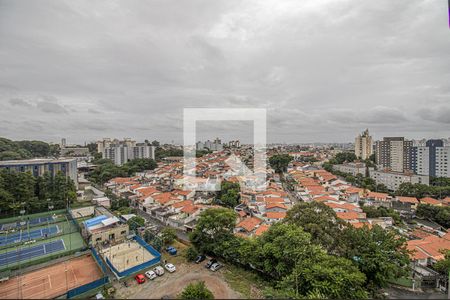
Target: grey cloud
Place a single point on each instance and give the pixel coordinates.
(19, 102)
(324, 70)
(440, 114)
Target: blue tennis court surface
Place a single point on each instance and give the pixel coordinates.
(24, 236)
(31, 222)
(27, 253)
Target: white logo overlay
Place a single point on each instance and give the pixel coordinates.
(256, 179)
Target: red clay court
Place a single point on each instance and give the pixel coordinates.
(52, 281)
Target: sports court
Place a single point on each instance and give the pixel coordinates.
(31, 222)
(25, 235)
(52, 281)
(28, 253)
(126, 255)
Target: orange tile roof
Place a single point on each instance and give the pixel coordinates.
(275, 215)
(261, 229)
(273, 205)
(429, 200)
(431, 246)
(249, 223)
(324, 198)
(347, 215)
(163, 198)
(268, 200)
(407, 199)
(361, 224)
(182, 203)
(375, 195)
(189, 209)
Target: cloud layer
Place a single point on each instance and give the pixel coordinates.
(324, 69)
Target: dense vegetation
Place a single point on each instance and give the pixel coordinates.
(438, 214)
(11, 150)
(107, 170)
(162, 152)
(307, 255)
(421, 190)
(280, 162)
(196, 290)
(229, 194)
(34, 194)
(377, 212)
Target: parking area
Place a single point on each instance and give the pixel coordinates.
(171, 284)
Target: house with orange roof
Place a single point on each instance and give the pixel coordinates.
(446, 201)
(430, 201)
(428, 250)
(276, 207)
(261, 229)
(350, 216)
(247, 225)
(405, 204)
(272, 217)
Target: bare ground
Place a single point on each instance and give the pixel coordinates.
(171, 284)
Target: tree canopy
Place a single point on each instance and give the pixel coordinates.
(21, 190)
(229, 194)
(280, 162)
(196, 290)
(12, 150)
(107, 170)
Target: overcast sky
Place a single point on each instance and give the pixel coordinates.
(324, 69)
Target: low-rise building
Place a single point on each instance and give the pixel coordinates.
(392, 180)
(353, 168)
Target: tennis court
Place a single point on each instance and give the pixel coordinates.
(24, 235)
(52, 281)
(27, 253)
(31, 222)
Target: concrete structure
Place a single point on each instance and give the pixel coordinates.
(123, 152)
(363, 145)
(215, 145)
(431, 159)
(392, 180)
(38, 167)
(74, 151)
(394, 154)
(352, 168)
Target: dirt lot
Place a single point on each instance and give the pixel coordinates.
(171, 284)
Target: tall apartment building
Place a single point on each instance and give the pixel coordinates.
(395, 154)
(363, 145)
(433, 159)
(215, 145)
(121, 152)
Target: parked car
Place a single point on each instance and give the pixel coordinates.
(216, 267)
(170, 267)
(139, 278)
(159, 271)
(171, 250)
(150, 275)
(199, 259)
(210, 263)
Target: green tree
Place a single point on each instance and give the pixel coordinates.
(213, 227)
(280, 162)
(196, 290)
(318, 220)
(191, 253)
(443, 265)
(380, 254)
(168, 235)
(324, 276)
(135, 222)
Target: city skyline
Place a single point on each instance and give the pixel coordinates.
(324, 70)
